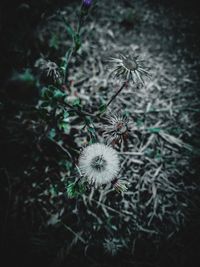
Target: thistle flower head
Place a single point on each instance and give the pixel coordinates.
(129, 68)
(117, 128)
(99, 163)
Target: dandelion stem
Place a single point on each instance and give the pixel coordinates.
(116, 94)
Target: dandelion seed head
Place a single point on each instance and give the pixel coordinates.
(129, 68)
(117, 128)
(112, 246)
(120, 185)
(99, 163)
(51, 65)
(130, 64)
(49, 68)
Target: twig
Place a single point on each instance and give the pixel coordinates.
(124, 213)
(77, 236)
(62, 148)
(131, 153)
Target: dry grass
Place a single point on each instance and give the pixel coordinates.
(156, 159)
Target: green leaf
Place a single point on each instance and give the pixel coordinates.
(69, 30)
(140, 122)
(126, 113)
(54, 42)
(77, 40)
(64, 126)
(52, 133)
(54, 191)
(46, 93)
(66, 114)
(59, 94)
(65, 164)
(102, 108)
(76, 102)
(88, 120)
(44, 104)
(92, 131)
(154, 130)
(158, 155)
(149, 152)
(75, 189)
(26, 76)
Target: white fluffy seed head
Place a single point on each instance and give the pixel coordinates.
(99, 163)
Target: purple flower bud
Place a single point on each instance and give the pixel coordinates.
(87, 2)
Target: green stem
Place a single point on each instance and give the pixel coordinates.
(68, 56)
(79, 112)
(72, 49)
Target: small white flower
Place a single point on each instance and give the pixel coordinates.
(99, 163)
